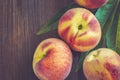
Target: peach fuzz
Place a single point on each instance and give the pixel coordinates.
(80, 29)
(52, 60)
(92, 4)
(102, 64)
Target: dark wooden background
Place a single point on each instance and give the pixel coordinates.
(19, 21)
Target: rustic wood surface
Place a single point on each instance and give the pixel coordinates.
(19, 21)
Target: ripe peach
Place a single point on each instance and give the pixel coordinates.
(52, 60)
(102, 64)
(80, 29)
(92, 4)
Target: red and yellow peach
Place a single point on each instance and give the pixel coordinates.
(52, 60)
(80, 29)
(102, 64)
(92, 4)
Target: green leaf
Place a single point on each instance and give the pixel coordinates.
(107, 25)
(111, 34)
(80, 62)
(118, 37)
(52, 23)
(105, 16)
(104, 12)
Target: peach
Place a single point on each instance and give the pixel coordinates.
(52, 60)
(102, 64)
(80, 29)
(92, 4)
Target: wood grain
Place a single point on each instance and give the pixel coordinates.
(19, 21)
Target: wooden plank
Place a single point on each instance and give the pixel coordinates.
(20, 20)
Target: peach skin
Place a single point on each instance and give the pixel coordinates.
(102, 64)
(92, 4)
(52, 60)
(80, 29)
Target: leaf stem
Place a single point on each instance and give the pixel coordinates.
(117, 47)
